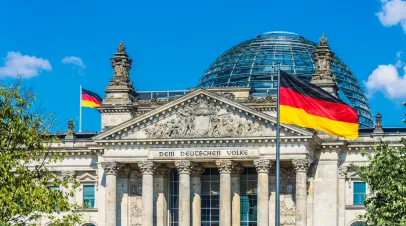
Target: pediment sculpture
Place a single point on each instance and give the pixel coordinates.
(202, 119)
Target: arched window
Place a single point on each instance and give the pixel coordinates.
(358, 223)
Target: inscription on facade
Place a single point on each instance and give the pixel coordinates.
(235, 153)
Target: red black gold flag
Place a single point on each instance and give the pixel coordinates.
(309, 106)
(90, 99)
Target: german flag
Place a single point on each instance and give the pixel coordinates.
(90, 99)
(309, 106)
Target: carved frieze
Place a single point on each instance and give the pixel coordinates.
(262, 165)
(224, 166)
(183, 166)
(302, 164)
(111, 167)
(147, 167)
(201, 119)
(342, 171)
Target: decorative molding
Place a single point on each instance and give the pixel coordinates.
(162, 170)
(342, 171)
(262, 165)
(147, 167)
(197, 170)
(184, 167)
(302, 165)
(237, 170)
(202, 119)
(224, 166)
(111, 168)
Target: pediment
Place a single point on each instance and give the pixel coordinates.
(200, 114)
(86, 177)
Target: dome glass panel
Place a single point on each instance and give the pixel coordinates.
(252, 63)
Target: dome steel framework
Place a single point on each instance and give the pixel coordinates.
(253, 63)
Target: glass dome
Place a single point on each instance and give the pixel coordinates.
(253, 63)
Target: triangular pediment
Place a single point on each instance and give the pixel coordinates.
(200, 114)
(86, 177)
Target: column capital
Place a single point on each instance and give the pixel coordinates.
(237, 170)
(262, 165)
(147, 167)
(342, 171)
(225, 166)
(197, 169)
(184, 167)
(162, 170)
(302, 165)
(126, 171)
(111, 168)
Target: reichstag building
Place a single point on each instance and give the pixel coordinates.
(206, 155)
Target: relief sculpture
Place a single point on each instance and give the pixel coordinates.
(288, 207)
(201, 119)
(135, 198)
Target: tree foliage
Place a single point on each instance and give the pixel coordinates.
(25, 159)
(385, 176)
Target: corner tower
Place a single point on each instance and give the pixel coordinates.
(117, 106)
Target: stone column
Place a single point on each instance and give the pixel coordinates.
(301, 166)
(235, 192)
(161, 193)
(196, 215)
(148, 169)
(125, 198)
(225, 167)
(184, 169)
(111, 169)
(263, 166)
(342, 174)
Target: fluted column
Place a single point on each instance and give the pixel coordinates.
(263, 166)
(111, 169)
(235, 192)
(225, 167)
(196, 172)
(342, 174)
(301, 166)
(148, 169)
(184, 170)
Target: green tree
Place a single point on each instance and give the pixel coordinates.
(25, 158)
(385, 175)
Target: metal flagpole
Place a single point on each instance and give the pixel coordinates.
(80, 110)
(277, 204)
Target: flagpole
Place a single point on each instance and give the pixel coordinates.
(277, 204)
(80, 110)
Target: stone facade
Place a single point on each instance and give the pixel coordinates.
(133, 162)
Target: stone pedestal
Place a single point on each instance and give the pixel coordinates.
(196, 172)
(225, 167)
(161, 195)
(147, 168)
(342, 173)
(111, 169)
(301, 167)
(263, 166)
(184, 169)
(235, 192)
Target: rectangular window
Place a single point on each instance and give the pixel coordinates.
(360, 189)
(88, 196)
(56, 188)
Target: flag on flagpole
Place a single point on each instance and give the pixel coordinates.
(309, 106)
(90, 99)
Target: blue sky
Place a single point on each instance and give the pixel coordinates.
(173, 42)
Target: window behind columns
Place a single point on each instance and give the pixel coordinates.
(210, 197)
(248, 197)
(174, 198)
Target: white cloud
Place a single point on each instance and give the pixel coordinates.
(386, 79)
(393, 12)
(16, 64)
(399, 63)
(74, 60)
